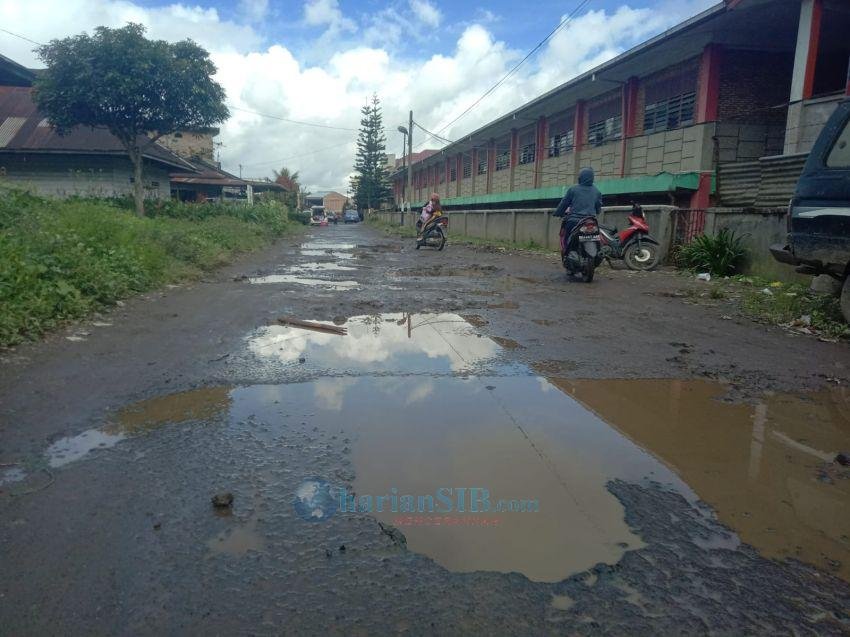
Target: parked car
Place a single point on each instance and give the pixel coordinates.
(819, 213)
(319, 217)
(350, 216)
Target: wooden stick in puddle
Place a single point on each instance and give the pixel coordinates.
(312, 325)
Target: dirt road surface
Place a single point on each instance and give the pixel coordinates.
(471, 444)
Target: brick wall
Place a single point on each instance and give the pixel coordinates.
(753, 81)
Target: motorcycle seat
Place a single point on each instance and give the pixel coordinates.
(608, 228)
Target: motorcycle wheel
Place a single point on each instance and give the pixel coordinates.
(442, 238)
(587, 269)
(643, 257)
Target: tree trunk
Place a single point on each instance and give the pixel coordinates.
(135, 154)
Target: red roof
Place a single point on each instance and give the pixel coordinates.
(24, 129)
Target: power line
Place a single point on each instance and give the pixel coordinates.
(22, 37)
(293, 121)
(299, 156)
(434, 135)
(513, 70)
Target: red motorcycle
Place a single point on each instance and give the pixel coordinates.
(634, 245)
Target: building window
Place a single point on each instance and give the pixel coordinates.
(561, 143)
(668, 114)
(605, 122)
(467, 166)
(605, 130)
(482, 162)
(453, 172)
(527, 148)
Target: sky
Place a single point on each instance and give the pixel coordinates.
(319, 61)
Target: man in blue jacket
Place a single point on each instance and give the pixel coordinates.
(582, 200)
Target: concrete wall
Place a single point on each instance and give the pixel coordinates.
(80, 175)
(805, 121)
(758, 229)
(189, 145)
(538, 225)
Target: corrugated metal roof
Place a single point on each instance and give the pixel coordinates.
(9, 128)
(204, 173)
(32, 135)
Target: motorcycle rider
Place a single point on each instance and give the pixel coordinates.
(582, 200)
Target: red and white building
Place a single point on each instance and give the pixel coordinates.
(720, 109)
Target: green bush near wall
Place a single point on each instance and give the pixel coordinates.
(61, 259)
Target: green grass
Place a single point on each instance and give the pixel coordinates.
(61, 260)
(791, 303)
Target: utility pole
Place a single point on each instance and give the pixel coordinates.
(409, 164)
(240, 171)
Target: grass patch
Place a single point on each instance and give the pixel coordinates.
(390, 228)
(62, 259)
(793, 305)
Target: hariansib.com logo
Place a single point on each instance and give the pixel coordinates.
(316, 500)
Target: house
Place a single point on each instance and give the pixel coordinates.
(205, 181)
(88, 162)
(334, 202)
(718, 110)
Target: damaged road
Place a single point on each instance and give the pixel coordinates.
(235, 456)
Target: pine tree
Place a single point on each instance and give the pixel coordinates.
(370, 183)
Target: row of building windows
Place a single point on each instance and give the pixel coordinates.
(668, 114)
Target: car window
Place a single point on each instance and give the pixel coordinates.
(839, 155)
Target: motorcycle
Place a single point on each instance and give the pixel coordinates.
(434, 234)
(633, 245)
(581, 251)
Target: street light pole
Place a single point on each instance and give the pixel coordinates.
(409, 161)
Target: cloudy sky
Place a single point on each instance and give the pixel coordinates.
(319, 61)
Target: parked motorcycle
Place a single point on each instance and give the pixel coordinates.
(634, 245)
(434, 234)
(581, 251)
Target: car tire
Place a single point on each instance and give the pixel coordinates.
(845, 299)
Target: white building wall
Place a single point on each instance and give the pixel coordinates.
(80, 175)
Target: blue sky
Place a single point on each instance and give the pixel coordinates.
(319, 61)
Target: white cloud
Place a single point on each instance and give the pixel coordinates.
(426, 12)
(327, 13)
(254, 10)
(328, 80)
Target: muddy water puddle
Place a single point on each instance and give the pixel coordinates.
(766, 468)
(401, 344)
(330, 284)
(484, 465)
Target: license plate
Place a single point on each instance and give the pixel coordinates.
(588, 237)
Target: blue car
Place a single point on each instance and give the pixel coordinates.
(350, 216)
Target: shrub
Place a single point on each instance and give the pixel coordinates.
(62, 259)
(723, 254)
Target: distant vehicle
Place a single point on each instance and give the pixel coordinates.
(819, 214)
(318, 216)
(350, 216)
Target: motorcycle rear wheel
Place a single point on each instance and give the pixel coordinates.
(587, 269)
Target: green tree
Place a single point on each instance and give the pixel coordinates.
(370, 183)
(138, 89)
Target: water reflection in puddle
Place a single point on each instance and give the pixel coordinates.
(316, 266)
(199, 405)
(402, 343)
(326, 245)
(299, 280)
(325, 253)
(66, 450)
(765, 468)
